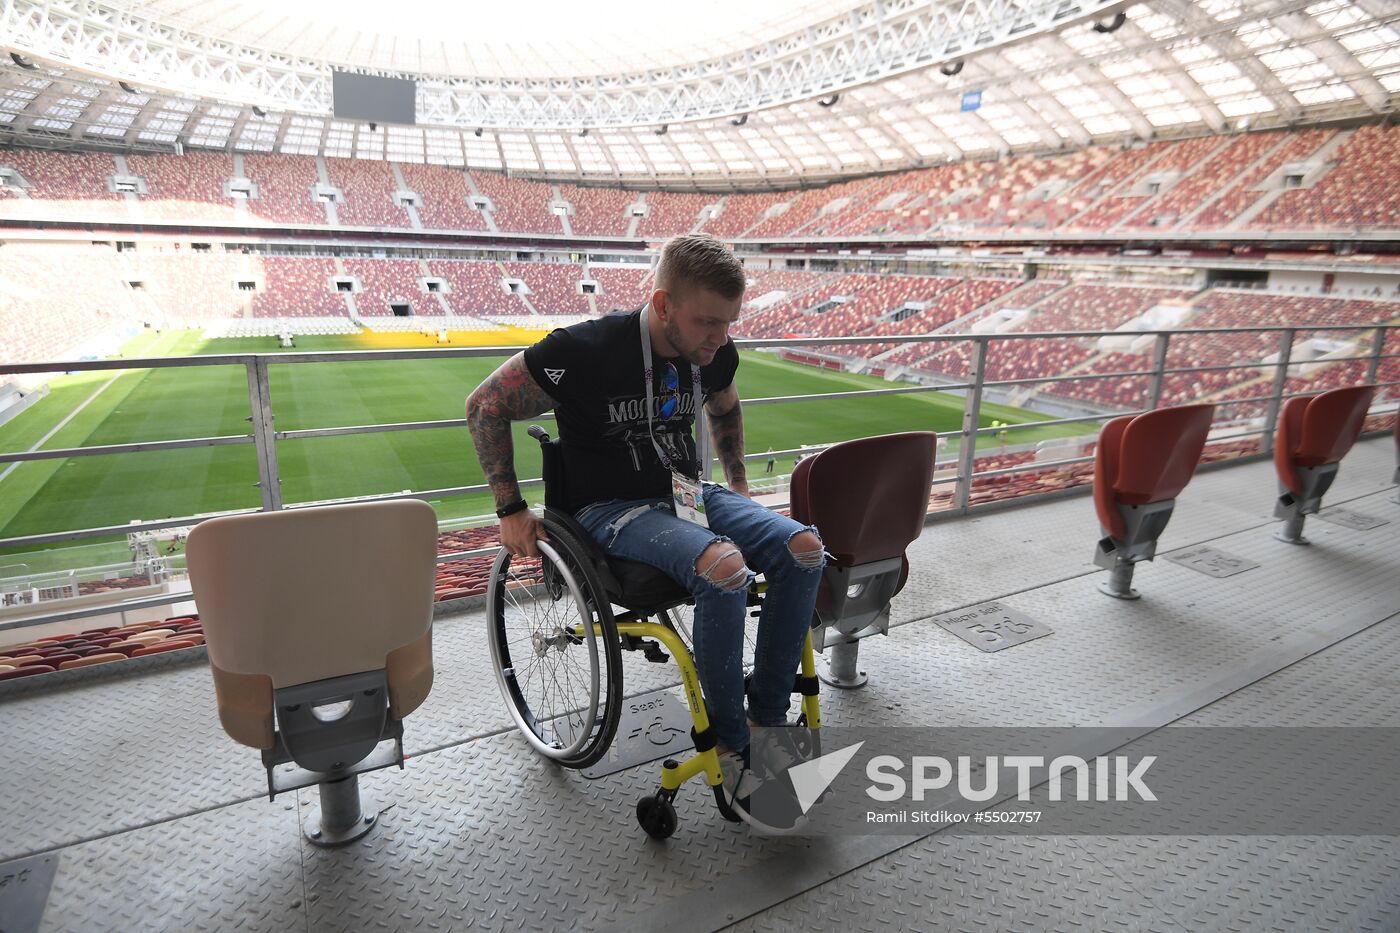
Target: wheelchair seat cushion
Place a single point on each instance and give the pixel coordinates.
(642, 586)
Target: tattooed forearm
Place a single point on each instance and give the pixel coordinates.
(727, 432)
(509, 394)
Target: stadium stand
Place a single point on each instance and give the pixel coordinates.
(1247, 191)
(369, 188)
(944, 308)
(1359, 190)
(670, 213)
(474, 288)
(623, 288)
(1135, 193)
(804, 208)
(444, 201)
(284, 189)
(599, 211)
(64, 186)
(1023, 296)
(1208, 179)
(1206, 183)
(192, 287)
(388, 282)
(1111, 188)
(188, 188)
(553, 286)
(47, 313)
(925, 200)
(297, 288)
(518, 205)
(739, 212)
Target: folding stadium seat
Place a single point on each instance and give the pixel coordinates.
(92, 659)
(1141, 464)
(29, 670)
(1314, 433)
(319, 628)
(160, 647)
(868, 499)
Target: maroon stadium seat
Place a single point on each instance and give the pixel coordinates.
(867, 499)
(27, 671)
(1141, 465)
(1314, 433)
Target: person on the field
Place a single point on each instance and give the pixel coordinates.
(626, 389)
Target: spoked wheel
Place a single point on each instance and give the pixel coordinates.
(555, 650)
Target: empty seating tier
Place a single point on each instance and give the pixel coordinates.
(519, 205)
(369, 194)
(285, 189)
(444, 203)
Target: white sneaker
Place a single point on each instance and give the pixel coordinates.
(744, 787)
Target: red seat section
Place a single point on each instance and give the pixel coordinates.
(1313, 434)
(1141, 465)
(867, 499)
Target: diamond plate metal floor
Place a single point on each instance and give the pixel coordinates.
(159, 821)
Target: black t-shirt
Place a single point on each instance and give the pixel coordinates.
(594, 373)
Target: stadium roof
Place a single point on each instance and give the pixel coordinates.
(624, 94)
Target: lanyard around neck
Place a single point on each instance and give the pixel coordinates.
(647, 375)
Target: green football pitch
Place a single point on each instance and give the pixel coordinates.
(96, 408)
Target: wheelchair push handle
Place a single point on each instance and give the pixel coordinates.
(538, 433)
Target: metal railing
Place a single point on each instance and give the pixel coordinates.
(264, 436)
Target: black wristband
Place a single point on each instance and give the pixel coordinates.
(510, 508)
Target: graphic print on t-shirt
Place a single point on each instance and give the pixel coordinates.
(627, 425)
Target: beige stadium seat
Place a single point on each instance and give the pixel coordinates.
(318, 623)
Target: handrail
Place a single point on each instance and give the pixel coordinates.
(974, 388)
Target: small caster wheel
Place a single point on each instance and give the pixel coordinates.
(656, 816)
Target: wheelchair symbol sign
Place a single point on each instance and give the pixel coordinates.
(992, 626)
(656, 731)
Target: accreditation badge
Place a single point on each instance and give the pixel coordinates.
(688, 497)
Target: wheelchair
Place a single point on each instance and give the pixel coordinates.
(556, 639)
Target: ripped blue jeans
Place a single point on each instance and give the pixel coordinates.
(647, 530)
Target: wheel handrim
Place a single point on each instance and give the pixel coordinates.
(535, 642)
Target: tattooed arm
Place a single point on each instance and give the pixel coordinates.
(727, 432)
(509, 394)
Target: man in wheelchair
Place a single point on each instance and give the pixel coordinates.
(626, 390)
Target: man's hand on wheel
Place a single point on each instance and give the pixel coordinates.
(520, 531)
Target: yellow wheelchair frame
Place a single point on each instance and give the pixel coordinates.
(573, 565)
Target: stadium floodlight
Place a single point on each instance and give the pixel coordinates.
(583, 132)
(663, 130)
(127, 87)
(23, 62)
(829, 101)
(740, 120)
(477, 131)
(952, 68)
(258, 111)
(1112, 25)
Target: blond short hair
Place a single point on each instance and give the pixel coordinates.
(698, 259)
